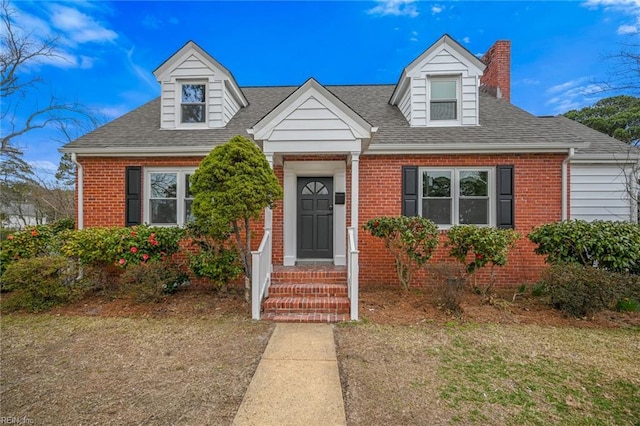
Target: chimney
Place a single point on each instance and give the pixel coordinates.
(497, 76)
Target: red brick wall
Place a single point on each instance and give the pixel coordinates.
(104, 179)
(537, 201)
(498, 71)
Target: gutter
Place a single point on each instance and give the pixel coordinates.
(565, 179)
(74, 159)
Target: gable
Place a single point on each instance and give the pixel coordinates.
(192, 65)
(444, 59)
(313, 114)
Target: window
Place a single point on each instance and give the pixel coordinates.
(443, 103)
(457, 196)
(168, 198)
(192, 103)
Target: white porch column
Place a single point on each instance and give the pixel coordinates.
(355, 184)
(268, 215)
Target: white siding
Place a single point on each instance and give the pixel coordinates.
(230, 105)
(168, 102)
(312, 121)
(598, 192)
(469, 101)
(192, 67)
(405, 105)
(444, 62)
(418, 101)
(214, 106)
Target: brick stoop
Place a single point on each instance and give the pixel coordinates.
(314, 293)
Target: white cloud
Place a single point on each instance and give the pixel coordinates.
(111, 112)
(151, 21)
(79, 26)
(573, 94)
(466, 40)
(627, 29)
(436, 8)
(627, 7)
(530, 81)
(44, 165)
(395, 8)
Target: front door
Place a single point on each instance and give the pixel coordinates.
(315, 218)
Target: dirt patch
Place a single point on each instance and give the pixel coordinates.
(394, 306)
(97, 370)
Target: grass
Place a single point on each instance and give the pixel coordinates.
(89, 370)
(489, 374)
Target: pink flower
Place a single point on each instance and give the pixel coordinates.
(134, 250)
(133, 234)
(122, 261)
(153, 242)
(34, 232)
(145, 257)
(10, 237)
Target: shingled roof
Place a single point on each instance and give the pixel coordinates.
(501, 125)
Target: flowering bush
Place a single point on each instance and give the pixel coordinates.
(411, 240)
(34, 241)
(122, 246)
(476, 247)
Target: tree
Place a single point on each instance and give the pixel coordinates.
(18, 51)
(617, 116)
(231, 187)
(624, 74)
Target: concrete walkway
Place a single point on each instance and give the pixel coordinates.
(297, 381)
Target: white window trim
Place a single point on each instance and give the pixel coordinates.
(178, 100)
(445, 123)
(491, 177)
(180, 193)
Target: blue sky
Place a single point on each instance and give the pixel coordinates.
(108, 50)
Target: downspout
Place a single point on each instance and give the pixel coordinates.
(74, 159)
(565, 180)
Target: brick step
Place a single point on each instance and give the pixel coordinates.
(315, 317)
(329, 305)
(300, 290)
(309, 274)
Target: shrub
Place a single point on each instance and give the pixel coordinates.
(583, 290)
(124, 246)
(151, 281)
(449, 282)
(39, 283)
(32, 242)
(411, 240)
(212, 259)
(614, 246)
(475, 247)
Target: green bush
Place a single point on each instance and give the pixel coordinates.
(34, 241)
(583, 290)
(123, 246)
(475, 247)
(39, 283)
(614, 246)
(411, 240)
(152, 281)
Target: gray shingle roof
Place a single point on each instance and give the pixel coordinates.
(500, 123)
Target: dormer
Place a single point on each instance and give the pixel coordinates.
(440, 87)
(197, 91)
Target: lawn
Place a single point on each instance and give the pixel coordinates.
(499, 374)
(97, 370)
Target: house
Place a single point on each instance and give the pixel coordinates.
(443, 142)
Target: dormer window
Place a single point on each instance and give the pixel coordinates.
(444, 100)
(193, 103)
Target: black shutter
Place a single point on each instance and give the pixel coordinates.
(409, 190)
(133, 196)
(506, 197)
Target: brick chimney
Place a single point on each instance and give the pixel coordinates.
(497, 76)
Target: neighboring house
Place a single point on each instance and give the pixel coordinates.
(444, 143)
(21, 216)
